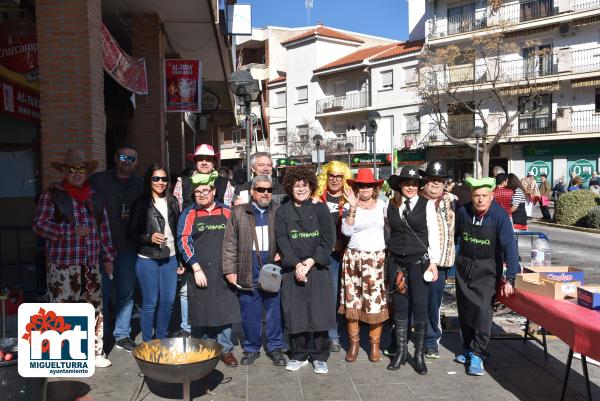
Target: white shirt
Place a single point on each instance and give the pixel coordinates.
(367, 232)
(163, 208)
(433, 230)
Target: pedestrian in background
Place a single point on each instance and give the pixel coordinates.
(519, 216)
(545, 192)
(362, 295)
(532, 193)
(503, 195)
(559, 188)
(153, 226)
(120, 187)
(305, 237)
(575, 183)
(72, 219)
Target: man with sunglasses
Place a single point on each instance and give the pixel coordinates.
(120, 187)
(260, 164)
(250, 235)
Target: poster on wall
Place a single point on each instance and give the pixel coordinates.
(19, 102)
(128, 71)
(19, 47)
(183, 85)
(539, 167)
(582, 167)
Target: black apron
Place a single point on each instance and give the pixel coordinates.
(476, 276)
(215, 305)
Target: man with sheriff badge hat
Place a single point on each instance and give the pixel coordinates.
(486, 243)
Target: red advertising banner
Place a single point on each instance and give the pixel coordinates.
(183, 85)
(19, 102)
(18, 46)
(129, 72)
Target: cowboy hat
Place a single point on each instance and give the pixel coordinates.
(364, 176)
(75, 157)
(203, 150)
(408, 172)
(435, 168)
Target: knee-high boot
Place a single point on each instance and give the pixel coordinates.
(353, 339)
(374, 337)
(420, 366)
(402, 347)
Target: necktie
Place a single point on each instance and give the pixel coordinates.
(406, 208)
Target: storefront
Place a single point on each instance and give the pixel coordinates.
(461, 159)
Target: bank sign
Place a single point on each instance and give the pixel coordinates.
(56, 340)
(539, 167)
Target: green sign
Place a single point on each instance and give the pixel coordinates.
(561, 149)
(583, 168)
(287, 162)
(368, 158)
(539, 167)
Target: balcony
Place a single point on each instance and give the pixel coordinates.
(351, 101)
(359, 143)
(507, 14)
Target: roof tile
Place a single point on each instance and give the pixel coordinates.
(357, 57)
(324, 32)
(399, 49)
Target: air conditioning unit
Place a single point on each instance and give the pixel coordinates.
(567, 29)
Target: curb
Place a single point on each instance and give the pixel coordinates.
(572, 228)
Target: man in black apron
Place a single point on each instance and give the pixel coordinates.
(486, 243)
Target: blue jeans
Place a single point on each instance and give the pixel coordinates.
(433, 333)
(158, 282)
(251, 307)
(222, 334)
(183, 301)
(334, 270)
(124, 284)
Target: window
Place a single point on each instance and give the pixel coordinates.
(237, 136)
(413, 123)
(279, 99)
(410, 77)
(461, 19)
(461, 120)
(302, 94)
(597, 109)
(302, 133)
(281, 135)
(340, 130)
(538, 61)
(387, 79)
(537, 115)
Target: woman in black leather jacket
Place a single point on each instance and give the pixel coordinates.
(153, 225)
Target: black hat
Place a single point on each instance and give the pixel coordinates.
(408, 172)
(435, 168)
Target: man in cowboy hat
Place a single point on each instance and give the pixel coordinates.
(434, 180)
(120, 187)
(204, 158)
(486, 243)
(72, 218)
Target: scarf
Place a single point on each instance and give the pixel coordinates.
(80, 194)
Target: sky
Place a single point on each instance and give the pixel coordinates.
(385, 18)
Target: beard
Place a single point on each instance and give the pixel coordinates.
(264, 202)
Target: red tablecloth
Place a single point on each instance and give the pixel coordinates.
(577, 326)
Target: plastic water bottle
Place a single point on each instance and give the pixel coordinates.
(541, 255)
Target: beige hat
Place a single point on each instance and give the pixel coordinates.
(74, 157)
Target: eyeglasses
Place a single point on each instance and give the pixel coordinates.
(334, 177)
(78, 170)
(203, 192)
(127, 158)
(156, 178)
(262, 190)
(362, 185)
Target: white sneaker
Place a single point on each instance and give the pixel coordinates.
(320, 367)
(294, 365)
(102, 362)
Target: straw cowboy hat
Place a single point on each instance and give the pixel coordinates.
(364, 176)
(203, 150)
(75, 157)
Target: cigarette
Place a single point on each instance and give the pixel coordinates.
(110, 276)
(237, 285)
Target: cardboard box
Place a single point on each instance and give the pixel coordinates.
(538, 284)
(589, 296)
(558, 273)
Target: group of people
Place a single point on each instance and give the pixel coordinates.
(343, 251)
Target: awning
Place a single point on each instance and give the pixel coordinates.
(524, 90)
(582, 83)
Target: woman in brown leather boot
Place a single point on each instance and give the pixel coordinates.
(362, 293)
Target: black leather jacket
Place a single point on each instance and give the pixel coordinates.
(145, 220)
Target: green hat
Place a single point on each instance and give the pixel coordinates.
(204, 179)
(487, 182)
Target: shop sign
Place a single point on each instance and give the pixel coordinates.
(410, 155)
(19, 102)
(129, 72)
(210, 101)
(538, 168)
(183, 85)
(382, 158)
(583, 168)
(288, 162)
(19, 47)
(561, 149)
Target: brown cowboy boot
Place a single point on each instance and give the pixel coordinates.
(374, 336)
(353, 339)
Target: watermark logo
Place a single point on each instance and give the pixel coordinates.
(56, 340)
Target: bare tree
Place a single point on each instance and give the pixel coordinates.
(300, 143)
(476, 86)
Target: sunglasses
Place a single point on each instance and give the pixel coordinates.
(127, 158)
(361, 185)
(203, 192)
(78, 170)
(262, 190)
(156, 178)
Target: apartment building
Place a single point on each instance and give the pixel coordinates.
(552, 46)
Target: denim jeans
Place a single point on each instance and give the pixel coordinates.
(183, 301)
(252, 304)
(124, 284)
(158, 282)
(334, 269)
(436, 294)
(222, 334)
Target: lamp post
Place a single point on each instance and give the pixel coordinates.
(246, 89)
(349, 147)
(318, 140)
(478, 133)
(372, 124)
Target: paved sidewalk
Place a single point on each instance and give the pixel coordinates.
(516, 371)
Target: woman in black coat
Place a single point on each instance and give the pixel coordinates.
(305, 238)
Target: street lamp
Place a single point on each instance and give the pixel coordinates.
(246, 89)
(318, 140)
(478, 133)
(349, 147)
(372, 123)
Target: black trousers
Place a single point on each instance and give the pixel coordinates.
(315, 345)
(416, 297)
(475, 340)
(545, 212)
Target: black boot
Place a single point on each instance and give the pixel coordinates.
(419, 337)
(401, 343)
